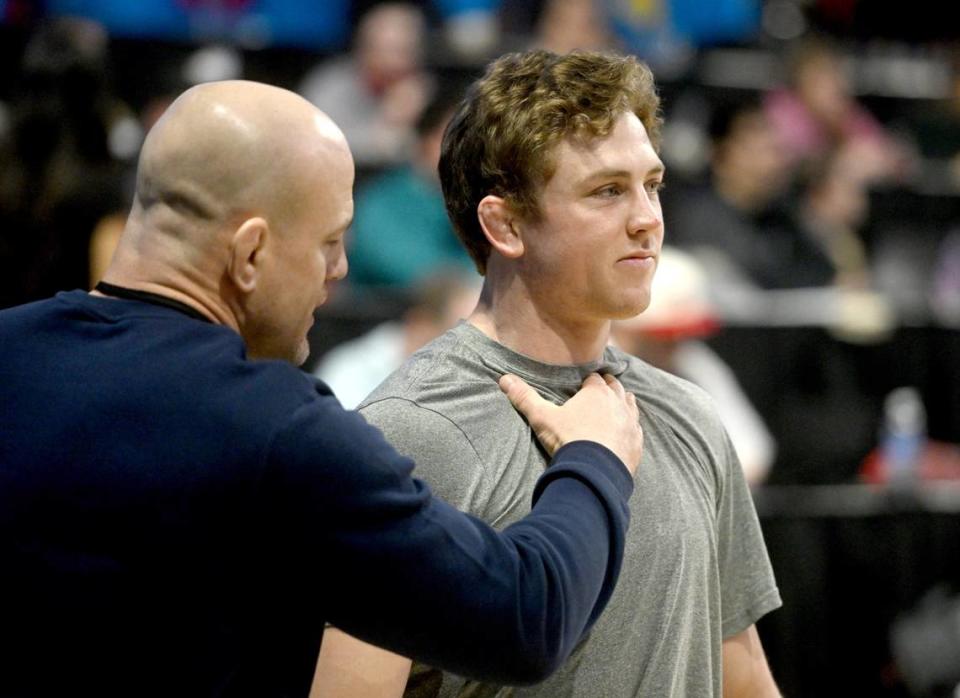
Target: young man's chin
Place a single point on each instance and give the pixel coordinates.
(631, 308)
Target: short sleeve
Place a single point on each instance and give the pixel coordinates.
(748, 588)
(443, 454)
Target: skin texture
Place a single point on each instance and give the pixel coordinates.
(553, 286)
(745, 669)
(243, 197)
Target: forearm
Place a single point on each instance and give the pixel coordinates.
(746, 673)
(350, 668)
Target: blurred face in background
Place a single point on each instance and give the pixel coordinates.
(566, 25)
(389, 41)
(822, 85)
(750, 165)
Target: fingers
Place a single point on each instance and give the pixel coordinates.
(615, 385)
(535, 409)
(521, 395)
(628, 399)
(593, 378)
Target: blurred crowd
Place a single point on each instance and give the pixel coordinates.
(789, 169)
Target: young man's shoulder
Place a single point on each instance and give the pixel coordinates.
(661, 387)
(441, 374)
(677, 403)
(444, 409)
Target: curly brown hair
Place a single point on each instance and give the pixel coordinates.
(502, 137)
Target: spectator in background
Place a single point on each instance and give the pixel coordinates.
(738, 224)
(355, 368)
(565, 25)
(377, 91)
(816, 113)
(750, 234)
(57, 174)
(669, 333)
(401, 232)
(833, 205)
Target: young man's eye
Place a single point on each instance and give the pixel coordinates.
(609, 191)
(655, 186)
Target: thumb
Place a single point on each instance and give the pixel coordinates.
(524, 398)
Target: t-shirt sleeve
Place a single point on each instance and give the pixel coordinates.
(747, 586)
(443, 454)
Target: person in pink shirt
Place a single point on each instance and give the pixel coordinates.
(816, 113)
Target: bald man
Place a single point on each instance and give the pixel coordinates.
(182, 509)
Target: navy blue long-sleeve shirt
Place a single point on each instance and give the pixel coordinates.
(178, 520)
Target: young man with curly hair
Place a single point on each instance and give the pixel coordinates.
(551, 176)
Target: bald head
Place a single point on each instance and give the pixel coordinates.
(244, 192)
(228, 149)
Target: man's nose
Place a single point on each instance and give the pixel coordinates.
(645, 215)
(340, 268)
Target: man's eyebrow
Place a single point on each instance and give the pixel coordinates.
(654, 171)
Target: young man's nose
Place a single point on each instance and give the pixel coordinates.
(645, 215)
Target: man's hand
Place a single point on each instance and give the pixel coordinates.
(601, 411)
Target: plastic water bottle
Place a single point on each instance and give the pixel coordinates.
(904, 435)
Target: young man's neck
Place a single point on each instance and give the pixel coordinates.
(537, 330)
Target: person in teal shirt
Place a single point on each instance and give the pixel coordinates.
(401, 232)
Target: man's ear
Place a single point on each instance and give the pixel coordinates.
(499, 224)
(246, 249)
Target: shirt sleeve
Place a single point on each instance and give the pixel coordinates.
(393, 565)
(748, 588)
(445, 456)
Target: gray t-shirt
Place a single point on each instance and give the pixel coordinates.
(695, 569)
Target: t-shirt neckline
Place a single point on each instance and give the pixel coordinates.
(501, 358)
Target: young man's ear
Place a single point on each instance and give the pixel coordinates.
(246, 247)
(499, 223)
